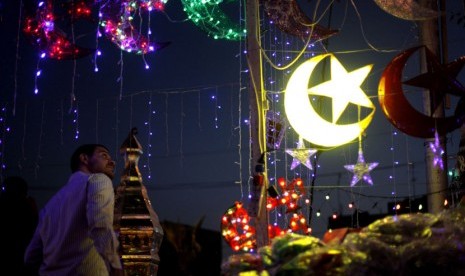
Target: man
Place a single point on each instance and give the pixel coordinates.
(75, 232)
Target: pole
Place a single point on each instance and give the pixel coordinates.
(258, 106)
(436, 177)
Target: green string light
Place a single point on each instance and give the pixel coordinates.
(207, 15)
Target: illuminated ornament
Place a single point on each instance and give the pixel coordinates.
(437, 151)
(361, 169)
(79, 10)
(290, 19)
(291, 193)
(236, 230)
(275, 128)
(209, 17)
(343, 88)
(406, 9)
(301, 155)
(298, 224)
(45, 35)
(440, 79)
(117, 21)
(275, 231)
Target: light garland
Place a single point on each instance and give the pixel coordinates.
(116, 19)
(50, 40)
(207, 15)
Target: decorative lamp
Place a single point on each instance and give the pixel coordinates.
(136, 223)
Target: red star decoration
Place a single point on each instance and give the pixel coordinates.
(439, 79)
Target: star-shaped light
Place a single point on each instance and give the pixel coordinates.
(343, 88)
(301, 155)
(361, 170)
(438, 151)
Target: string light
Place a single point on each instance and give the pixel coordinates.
(209, 17)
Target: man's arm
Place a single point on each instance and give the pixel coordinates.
(100, 208)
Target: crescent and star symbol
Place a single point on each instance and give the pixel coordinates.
(343, 88)
(440, 79)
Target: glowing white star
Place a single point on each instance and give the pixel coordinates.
(361, 170)
(301, 155)
(343, 88)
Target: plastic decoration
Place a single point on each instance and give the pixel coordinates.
(440, 79)
(301, 155)
(407, 9)
(52, 42)
(437, 151)
(236, 230)
(275, 231)
(298, 224)
(343, 88)
(275, 129)
(290, 19)
(117, 21)
(291, 193)
(209, 17)
(361, 170)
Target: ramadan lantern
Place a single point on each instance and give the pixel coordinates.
(136, 223)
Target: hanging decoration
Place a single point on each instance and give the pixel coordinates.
(406, 9)
(236, 228)
(343, 88)
(117, 21)
(291, 193)
(275, 129)
(209, 17)
(290, 19)
(437, 151)
(52, 42)
(301, 155)
(361, 169)
(440, 80)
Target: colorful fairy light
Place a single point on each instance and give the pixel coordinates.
(236, 230)
(40, 28)
(117, 21)
(208, 16)
(437, 151)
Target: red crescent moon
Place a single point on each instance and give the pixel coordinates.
(400, 112)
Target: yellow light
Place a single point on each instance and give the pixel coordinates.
(343, 88)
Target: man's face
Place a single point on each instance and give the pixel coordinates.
(101, 162)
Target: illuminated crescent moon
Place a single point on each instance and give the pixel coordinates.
(406, 9)
(401, 113)
(209, 17)
(306, 121)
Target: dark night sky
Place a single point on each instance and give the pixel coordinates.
(193, 100)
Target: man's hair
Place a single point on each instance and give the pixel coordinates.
(87, 149)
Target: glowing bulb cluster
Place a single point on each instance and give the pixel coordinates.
(206, 15)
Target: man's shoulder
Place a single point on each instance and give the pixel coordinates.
(99, 178)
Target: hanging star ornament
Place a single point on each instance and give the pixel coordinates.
(361, 170)
(301, 155)
(437, 151)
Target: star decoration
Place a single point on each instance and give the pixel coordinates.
(437, 150)
(439, 79)
(361, 170)
(343, 88)
(301, 155)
